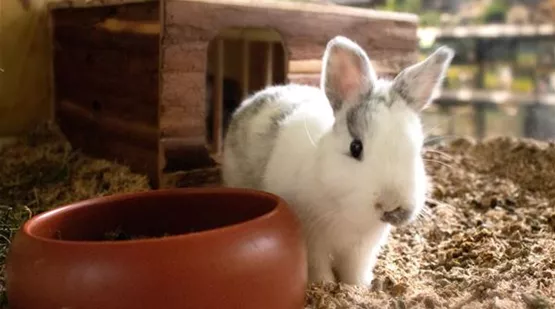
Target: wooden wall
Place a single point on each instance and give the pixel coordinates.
(106, 62)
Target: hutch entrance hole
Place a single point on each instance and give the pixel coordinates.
(240, 61)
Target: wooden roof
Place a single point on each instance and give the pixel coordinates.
(313, 8)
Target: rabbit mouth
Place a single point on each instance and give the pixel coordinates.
(398, 216)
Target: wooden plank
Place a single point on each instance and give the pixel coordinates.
(183, 89)
(218, 89)
(305, 35)
(269, 64)
(90, 17)
(310, 66)
(133, 28)
(175, 125)
(280, 64)
(267, 5)
(305, 79)
(138, 86)
(250, 34)
(182, 111)
(92, 4)
(98, 140)
(203, 20)
(136, 109)
(115, 25)
(114, 64)
(136, 133)
(257, 66)
(245, 70)
(186, 57)
(201, 177)
(185, 154)
(310, 8)
(98, 39)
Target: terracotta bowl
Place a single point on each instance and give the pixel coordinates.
(231, 248)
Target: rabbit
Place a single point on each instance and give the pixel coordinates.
(346, 156)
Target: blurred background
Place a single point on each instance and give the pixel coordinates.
(502, 80)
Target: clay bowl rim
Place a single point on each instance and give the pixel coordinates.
(279, 204)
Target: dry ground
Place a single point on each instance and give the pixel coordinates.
(487, 239)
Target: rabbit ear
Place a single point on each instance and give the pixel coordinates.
(417, 83)
(347, 73)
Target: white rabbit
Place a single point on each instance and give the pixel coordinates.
(345, 156)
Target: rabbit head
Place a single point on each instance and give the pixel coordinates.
(371, 158)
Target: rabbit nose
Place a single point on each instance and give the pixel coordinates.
(397, 216)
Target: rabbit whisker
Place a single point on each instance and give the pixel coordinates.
(435, 138)
(308, 133)
(440, 203)
(427, 131)
(438, 162)
(439, 152)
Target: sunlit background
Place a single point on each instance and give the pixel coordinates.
(502, 81)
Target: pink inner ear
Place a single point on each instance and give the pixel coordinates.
(346, 74)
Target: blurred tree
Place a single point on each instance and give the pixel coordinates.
(496, 12)
(410, 6)
(546, 11)
(430, 19)
(518, 14)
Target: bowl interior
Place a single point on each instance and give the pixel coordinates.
(151, 214)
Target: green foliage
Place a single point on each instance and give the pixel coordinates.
(495, 12)
(454, 73)
(388, 6)
(410, 6)
(491, 80)
(523, 84)
(430, 19)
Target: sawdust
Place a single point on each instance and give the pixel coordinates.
(487, 239)
(41, 171)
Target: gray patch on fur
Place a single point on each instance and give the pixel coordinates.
(382, 99)
(334, 99)
(357, 119)
(401, 88)
(358, 116)
(396, 217)
(238, 138)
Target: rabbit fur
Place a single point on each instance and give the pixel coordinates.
(346, 156)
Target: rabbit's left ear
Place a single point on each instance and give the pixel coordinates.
(417, 83)
(346, 72)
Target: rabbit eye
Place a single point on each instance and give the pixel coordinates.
(356, 148)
